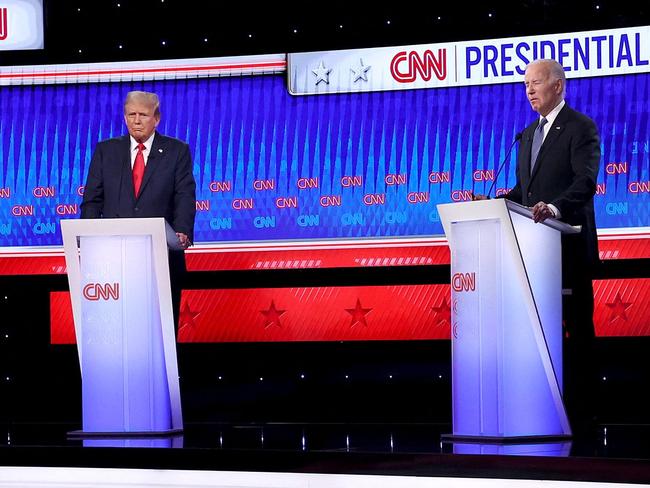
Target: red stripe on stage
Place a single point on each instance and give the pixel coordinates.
(32, 265)
(274, 256)
(621, 307)
(624, 248)
(319, 258)
(61, 321)
(209, 260)
(405, 312)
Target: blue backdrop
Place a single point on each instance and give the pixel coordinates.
(247, 129)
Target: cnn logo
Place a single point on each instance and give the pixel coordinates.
(463, 282)
(101, 291)
(406, 67)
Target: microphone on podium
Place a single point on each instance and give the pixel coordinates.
(503, 163)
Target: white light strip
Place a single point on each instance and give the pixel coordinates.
(624, 233)
(311, 245)
(33, 477)
(143, 70)
(257, 246)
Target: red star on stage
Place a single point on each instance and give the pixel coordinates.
(187, 316)
(358, 314)
(618, 308)
(443, 312)
(272, 316)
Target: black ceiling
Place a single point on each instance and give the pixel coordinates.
(100, 30)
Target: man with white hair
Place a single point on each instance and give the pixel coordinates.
(145, 174)
(557, 167)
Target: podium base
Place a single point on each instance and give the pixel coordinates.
(521, 439)
(82, 434)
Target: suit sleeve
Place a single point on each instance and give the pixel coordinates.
(184, 194)
(92, 205)
(585, 163)
(514, 194)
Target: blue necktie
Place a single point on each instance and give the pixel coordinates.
(538, 139)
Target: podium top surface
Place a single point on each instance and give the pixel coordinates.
(495, 208)
(155, 226)
(553, 223)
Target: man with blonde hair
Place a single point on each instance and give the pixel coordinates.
(145, 174)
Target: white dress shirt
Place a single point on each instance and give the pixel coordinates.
(550, 118)
(145, 152)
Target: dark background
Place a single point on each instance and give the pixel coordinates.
(221, 382)
(98, 28)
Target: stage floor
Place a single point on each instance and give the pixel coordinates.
(610, 453)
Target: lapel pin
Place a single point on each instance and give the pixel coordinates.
(558, 128)
(160, 150)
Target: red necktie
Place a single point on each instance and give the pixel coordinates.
(138, 169)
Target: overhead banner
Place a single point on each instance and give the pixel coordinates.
(582, 54)
(21, 25)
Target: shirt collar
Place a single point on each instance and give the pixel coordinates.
(553, 113)
(147, 144)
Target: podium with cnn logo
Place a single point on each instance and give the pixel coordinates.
(118, 273)
(506, 291)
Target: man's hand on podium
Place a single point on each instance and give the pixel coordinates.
(541, 212)
(184, 240)
(478, 196)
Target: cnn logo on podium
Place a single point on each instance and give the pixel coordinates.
(101, 291)
(463, 282)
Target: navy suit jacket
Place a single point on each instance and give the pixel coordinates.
(564, 175)
(168, 188)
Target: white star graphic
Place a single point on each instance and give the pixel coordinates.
(322, 73)
(360, 71)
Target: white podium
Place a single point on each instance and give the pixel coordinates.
(118, 273)
(506, 292)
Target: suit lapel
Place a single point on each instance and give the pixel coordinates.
(553, 133)
(525, 150)
(126, 171)
(153, 161)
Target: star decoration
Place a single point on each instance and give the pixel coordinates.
(322, 73)
(618, 308)
(272, 315)
(359, 72)
(358, 314)
(443, 312)
(187, 316)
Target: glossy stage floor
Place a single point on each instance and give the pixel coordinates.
(275, 454)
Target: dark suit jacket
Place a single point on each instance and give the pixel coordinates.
(564, 175)
(168, 189)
